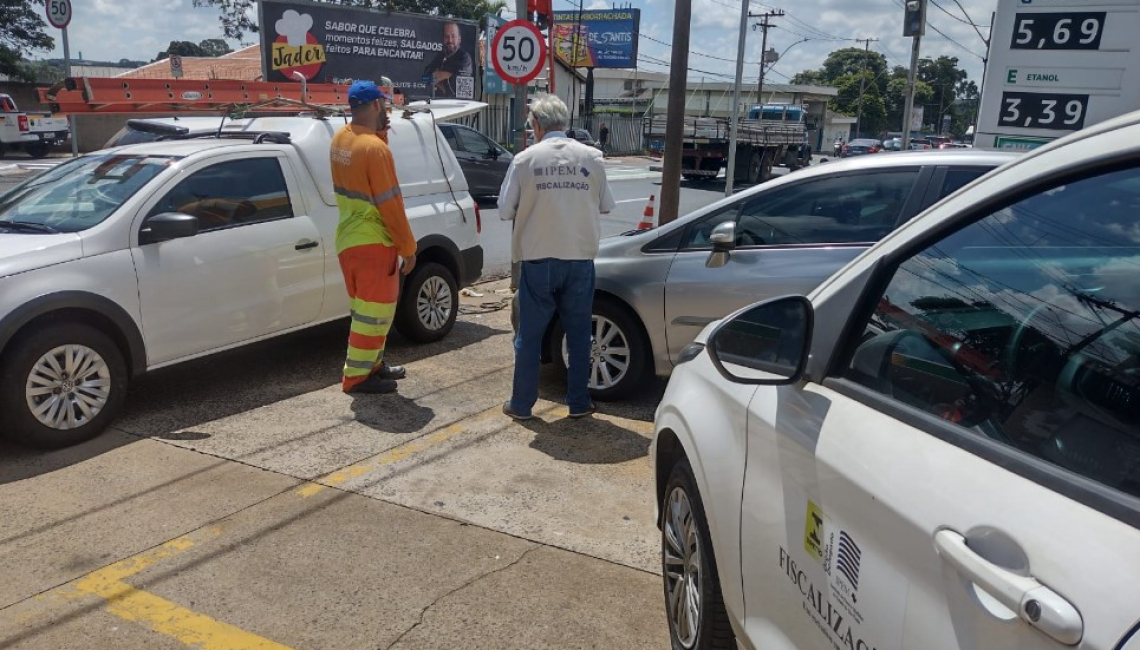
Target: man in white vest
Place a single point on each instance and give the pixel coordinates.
(555, 192)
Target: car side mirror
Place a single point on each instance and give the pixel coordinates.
(766, 344)
(723, 240)
(166, 226)
(493, 154)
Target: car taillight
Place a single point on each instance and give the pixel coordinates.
(478, 220)
(844, 150)
(23, 121)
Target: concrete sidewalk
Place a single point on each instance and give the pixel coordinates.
(244, 501)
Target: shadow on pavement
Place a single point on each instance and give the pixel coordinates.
(392, 413)
(19, 463)
(587, 441)
(260, 374)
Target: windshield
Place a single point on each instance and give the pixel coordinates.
(80, 193)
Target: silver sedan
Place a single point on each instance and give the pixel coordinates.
(656, 289)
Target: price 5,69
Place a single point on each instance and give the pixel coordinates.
(1052, 111)
(1073, 30)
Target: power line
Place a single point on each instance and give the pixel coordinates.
(707, 56)
(975, 25)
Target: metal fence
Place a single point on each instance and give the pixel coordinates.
(626, 131)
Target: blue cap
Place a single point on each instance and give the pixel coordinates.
(363, 92)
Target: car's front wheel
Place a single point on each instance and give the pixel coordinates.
(60, 385)
(693, 600)
(429, 304)
(619, 353)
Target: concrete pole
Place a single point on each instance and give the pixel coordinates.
(730, 173)
(520, 94)
(912, 81)
(70, 118)
(675, 116)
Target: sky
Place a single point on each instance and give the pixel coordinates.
(110, 30)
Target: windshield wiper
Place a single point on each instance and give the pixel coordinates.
(27, 226)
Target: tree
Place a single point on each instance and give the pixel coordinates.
(853, 60)
(21, 32)
(237, 21)
(211, 47)
(215, 47)
(42, 72)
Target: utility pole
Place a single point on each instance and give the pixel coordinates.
(914, 26)
(862, 83)
(675, 116)
(911, 83)
(520, 112)
(764, 25)
(734, 125)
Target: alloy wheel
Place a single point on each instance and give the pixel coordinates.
(433, 304)
(609, 354)
(682, 559)
(68, 387)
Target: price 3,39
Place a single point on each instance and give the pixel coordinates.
(1056, 111)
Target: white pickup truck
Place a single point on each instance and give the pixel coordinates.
(35, 133)
(211, 237)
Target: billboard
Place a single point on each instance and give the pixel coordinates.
(597, 39)
(493, 84)
(424, 56)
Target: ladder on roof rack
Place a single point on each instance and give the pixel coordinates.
(117, 95)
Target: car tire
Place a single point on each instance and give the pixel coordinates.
(429, 303)
(81, 409)
(608, 382)
(792, 161)
(694, 604)
(37, 150)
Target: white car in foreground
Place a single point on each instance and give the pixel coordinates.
(939, 448)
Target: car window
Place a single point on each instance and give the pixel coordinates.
(842, 209)
(452, 140)
(233, 193)
(1025, 327)
(474, 142)
(956, 179)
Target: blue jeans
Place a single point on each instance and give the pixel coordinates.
(546, 287)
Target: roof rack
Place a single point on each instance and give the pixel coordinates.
(167, 131)
(235, 98)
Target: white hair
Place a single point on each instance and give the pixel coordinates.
(550, 112)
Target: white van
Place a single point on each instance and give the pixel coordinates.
(145, 255)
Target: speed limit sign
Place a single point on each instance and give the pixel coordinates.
(518, 52)
(59, 13)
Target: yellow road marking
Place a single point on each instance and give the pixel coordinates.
(394, 455)
(158, 614)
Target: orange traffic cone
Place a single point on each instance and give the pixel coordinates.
(647, 218)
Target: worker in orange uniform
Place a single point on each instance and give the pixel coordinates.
(372, 238)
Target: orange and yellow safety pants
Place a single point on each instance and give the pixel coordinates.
(372, 277)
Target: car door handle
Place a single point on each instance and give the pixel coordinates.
(302, 245)
(1036, 604)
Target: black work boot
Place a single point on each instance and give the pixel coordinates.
(374, 385)
(388, 371)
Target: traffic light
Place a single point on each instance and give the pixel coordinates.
(540, 12)
(914, 20)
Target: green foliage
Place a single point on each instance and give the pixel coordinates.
(211, 47)
(234, 15)
(22, 31)
(43, 72)
(942, 88)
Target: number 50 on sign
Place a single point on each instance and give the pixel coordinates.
(518, 52)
